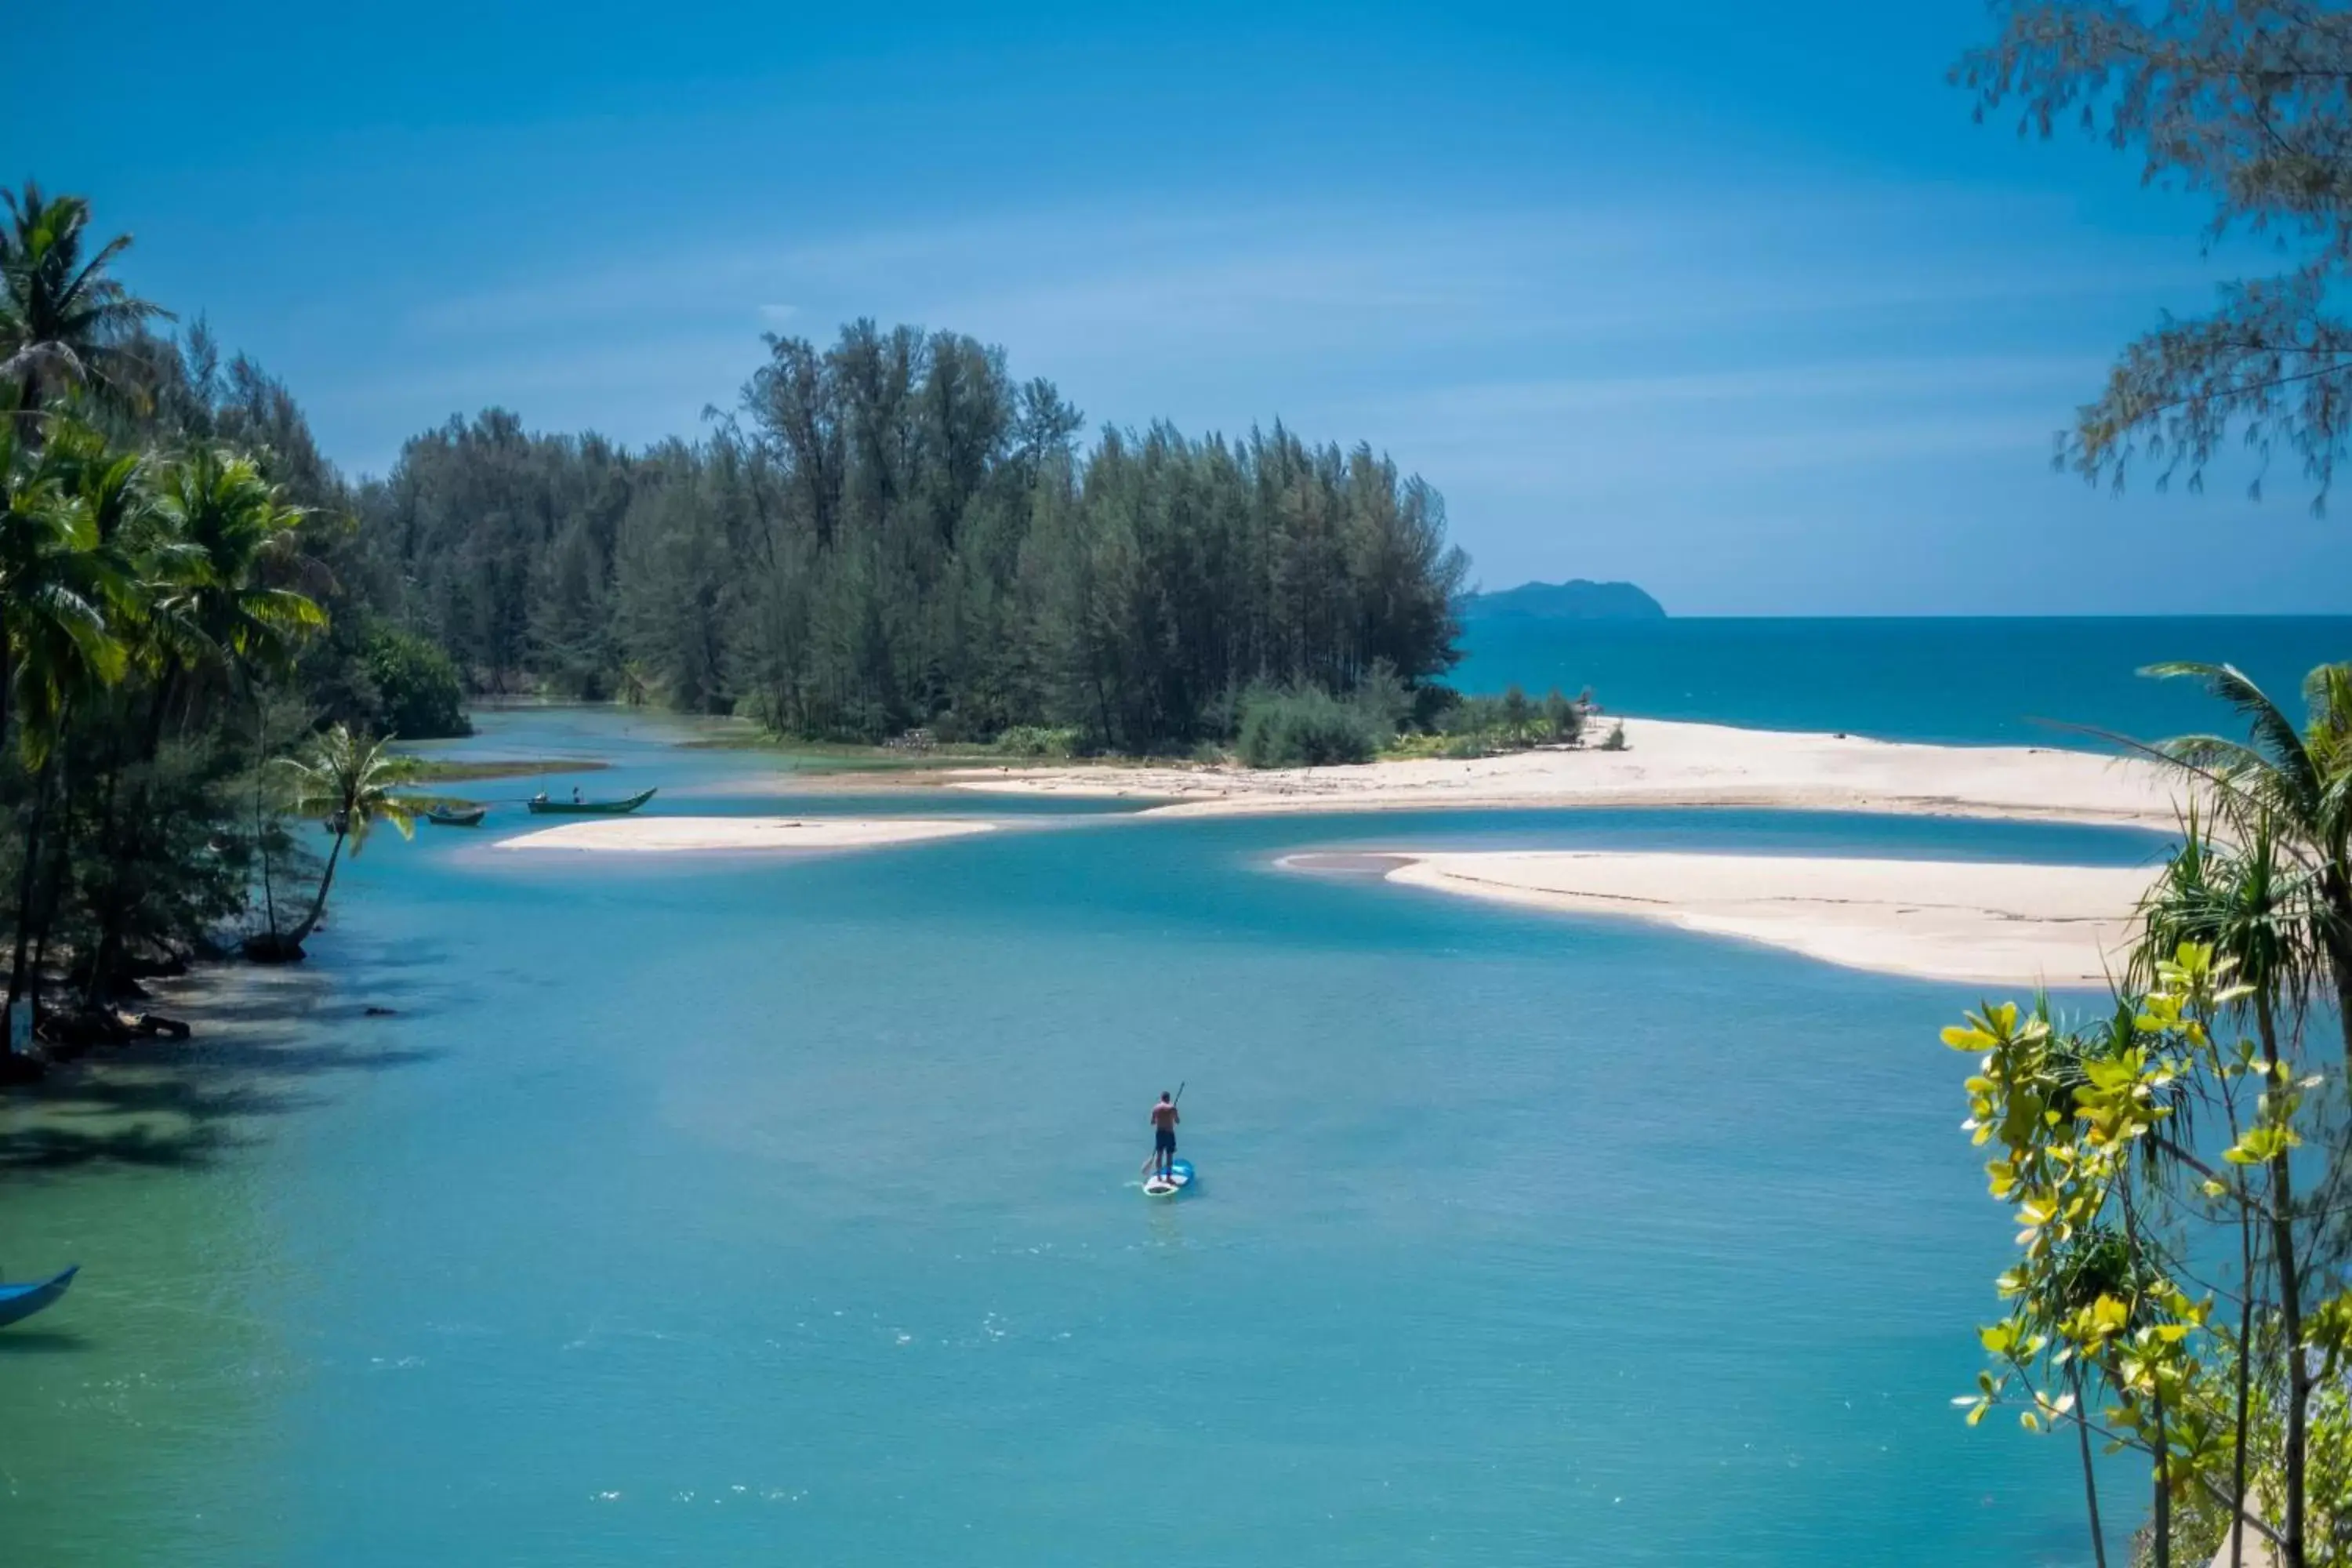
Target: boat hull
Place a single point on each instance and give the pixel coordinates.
(588, 807)
(18, 1302)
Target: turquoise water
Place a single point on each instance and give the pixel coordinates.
(725, 1211)
(1960, 680)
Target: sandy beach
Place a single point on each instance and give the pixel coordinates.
(1667, 763)
(1982, 922)
(647, 834)
(2007, 924)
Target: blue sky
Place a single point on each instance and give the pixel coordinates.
(1732, 300)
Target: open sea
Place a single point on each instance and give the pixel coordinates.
(743, 1211)
(1967, 681)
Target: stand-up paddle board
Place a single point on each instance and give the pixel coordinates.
(1179, 1177)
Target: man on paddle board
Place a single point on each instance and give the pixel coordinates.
(1163, 1133)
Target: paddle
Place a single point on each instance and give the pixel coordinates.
(1153, 1158)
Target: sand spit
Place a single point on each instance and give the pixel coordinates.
(2004, 924)
(658, 834)
(1666, 763)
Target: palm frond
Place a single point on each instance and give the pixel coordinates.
(2275, 738)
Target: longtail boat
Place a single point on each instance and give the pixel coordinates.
(18, 1302)
(463, 816)
(542, 806)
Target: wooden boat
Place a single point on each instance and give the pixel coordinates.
(542, 806)
(467, 817)
(18, 1302)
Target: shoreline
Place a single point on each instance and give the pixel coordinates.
(764, 834)
(2010, 924)
(1968, 922)
(1667, 763)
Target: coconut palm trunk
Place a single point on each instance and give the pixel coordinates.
(350, 781)
(118, 838)
(2335, 893)
(25, 875)
(2288, 1264)
(295, 938)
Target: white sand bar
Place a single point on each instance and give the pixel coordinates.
(658, 834)
(1988, 923)
(1666, 763)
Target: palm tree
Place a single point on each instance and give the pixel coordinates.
(63, 321)
(2255, 906)
(202, 538)
(57, 585)
(347, 780)
(120, 492)
(2292, 787)
(229, 530)
(55, 646)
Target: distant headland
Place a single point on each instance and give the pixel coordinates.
(1575, 600)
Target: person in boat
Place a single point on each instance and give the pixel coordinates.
(575, 794)
(1163, 1134)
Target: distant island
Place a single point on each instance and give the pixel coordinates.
(1575, 600)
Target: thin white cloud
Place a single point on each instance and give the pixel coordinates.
(1737, 372)
(1061, 275)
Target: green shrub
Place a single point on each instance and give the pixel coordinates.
(1519, 715)
(418, 694)
(1304, 728)
(1432, 705)
(1564, 717)
(1483, 726)
(1383, 699)
(1037, 741)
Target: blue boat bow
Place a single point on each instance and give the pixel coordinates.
(18, 1302)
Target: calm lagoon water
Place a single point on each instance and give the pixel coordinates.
(726, 1211)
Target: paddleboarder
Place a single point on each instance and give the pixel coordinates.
(1164, 1133)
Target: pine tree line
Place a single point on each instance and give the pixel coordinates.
(893, 534)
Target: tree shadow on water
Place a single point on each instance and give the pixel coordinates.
(307, 1060)
(47, 1148)
(160, 1104)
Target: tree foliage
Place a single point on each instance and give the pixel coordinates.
(65, 320)
(2247, 103)
(350, 782)
(893, 534)
(183, 595)
(418, 691)
(2289, 785)
(2177, 1173)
